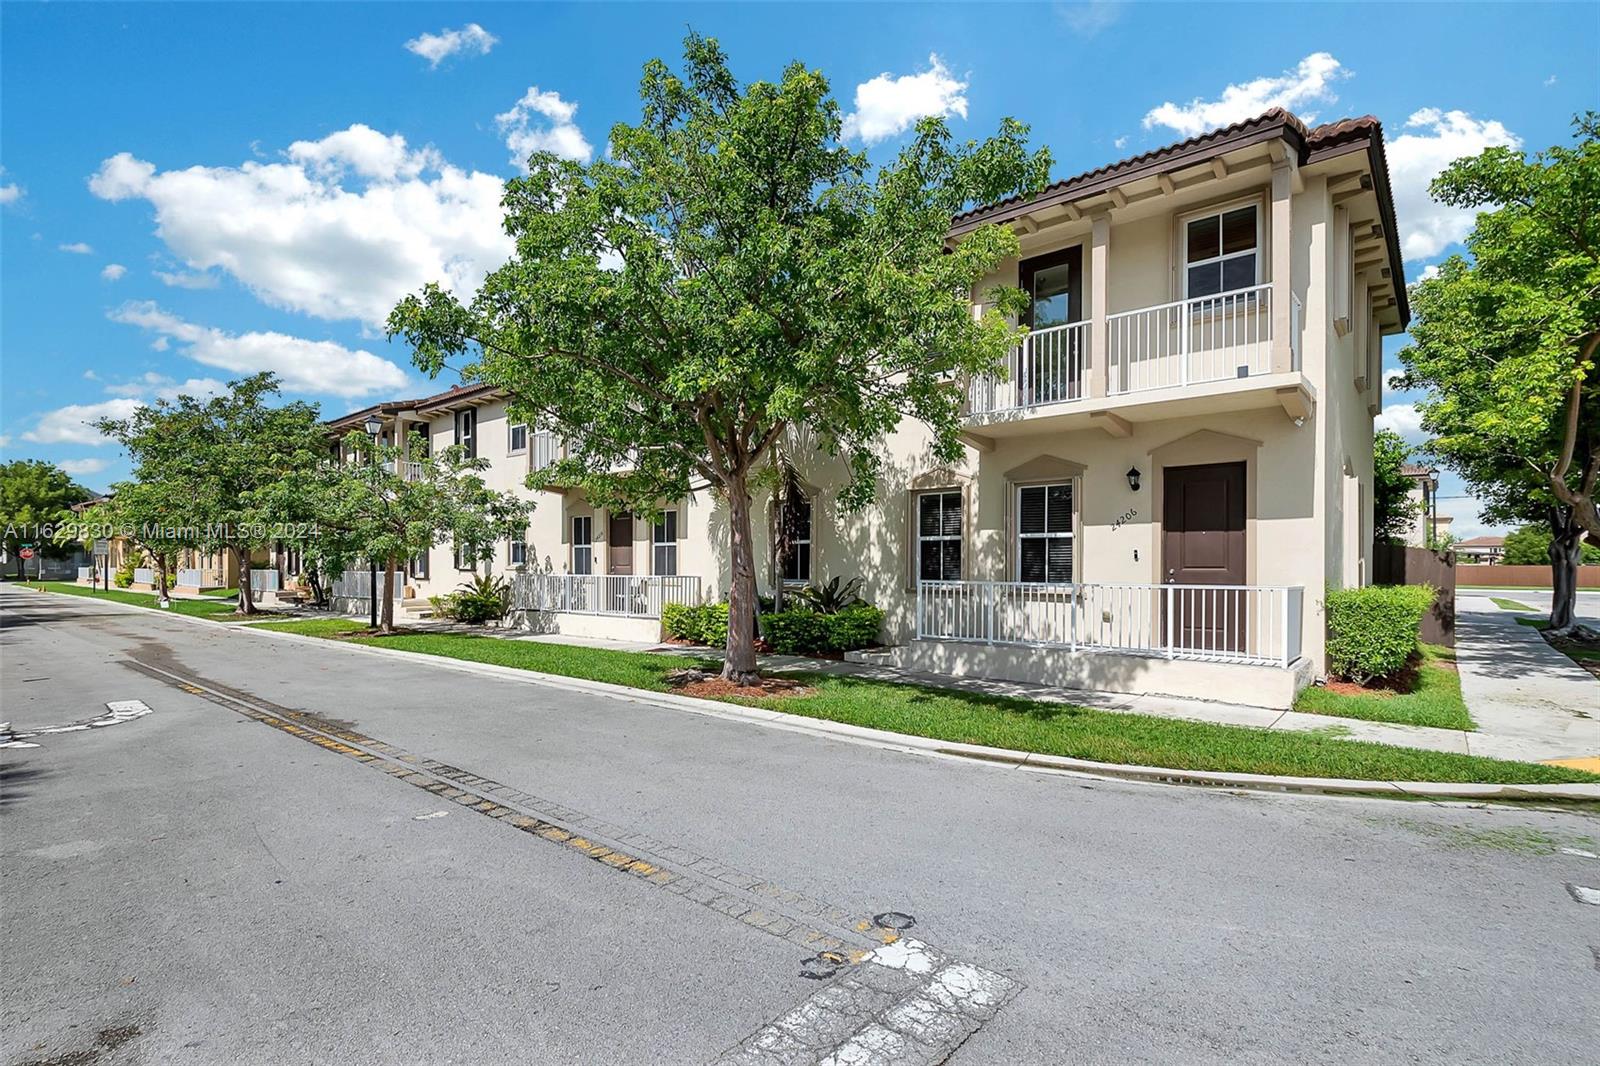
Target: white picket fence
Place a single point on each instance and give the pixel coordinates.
(628, 595)
(1219, 623)
(267, 580)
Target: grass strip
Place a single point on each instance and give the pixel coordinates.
(217, 610)
(1434, 698)
(997, 721)
(1511, 605)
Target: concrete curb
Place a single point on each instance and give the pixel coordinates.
(879, 738)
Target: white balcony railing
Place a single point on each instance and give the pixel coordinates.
(409, 470)
(544, 450)
(1047, 367)
(1210, 338)
(1218, 623)
(632, 596)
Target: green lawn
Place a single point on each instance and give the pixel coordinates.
(219, 610)
(1435, 701)
(226, 594)
(1023, 725)
(1511, 605)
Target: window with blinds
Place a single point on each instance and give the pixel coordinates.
(664, 544)
(1044, 533)
(939, 536)
(797, 557)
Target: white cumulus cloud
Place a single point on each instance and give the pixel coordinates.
(543, 122)
(1088, 19)
(80, 467)
(1404, 419)
(1431, 141)
(308, 366)
(1310, 82)
(186, 280)
(437, 47)
(76, 248)
(10, 191)
(71, 424)
(342, 230)
(151, 385)
(113, 271)
(887, 105)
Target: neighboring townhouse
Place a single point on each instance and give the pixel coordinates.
(1480, 550)
(1427, 525)
(1175, 466)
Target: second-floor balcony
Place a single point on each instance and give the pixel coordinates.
(1182, 345)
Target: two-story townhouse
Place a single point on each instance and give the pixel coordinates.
(1178, 460)
(578, 569)
(1175, 465)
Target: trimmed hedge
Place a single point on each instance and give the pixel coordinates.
(706, 623)
(798, 632)
(806, 632)
(1372, 631)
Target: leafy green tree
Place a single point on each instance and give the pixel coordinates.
(1529, 545)
(222, 463)
(1393, 510)
(382, 505)
(1505, 338)
(727, 273)
(35, 498)
(152, 521)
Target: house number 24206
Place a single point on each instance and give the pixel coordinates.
(1127, 516)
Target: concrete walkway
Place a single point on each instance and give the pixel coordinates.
(1535, 701)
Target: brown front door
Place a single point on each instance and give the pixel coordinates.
(1203, 543)
(619, 544)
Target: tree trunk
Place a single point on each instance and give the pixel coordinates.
(247, 599)
(161, 580)
(740, 665)
(1566, 553)
(386, 620)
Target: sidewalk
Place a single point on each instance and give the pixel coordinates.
(1535, 701)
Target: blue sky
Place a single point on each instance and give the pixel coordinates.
(192, 192)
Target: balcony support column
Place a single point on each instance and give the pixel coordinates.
(1283, 174)
(1099, 355)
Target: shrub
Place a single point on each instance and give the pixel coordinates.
(124, 574)
(807, 632)
(832, 597)
(482, 599)
(705, 623)
(1372, 631)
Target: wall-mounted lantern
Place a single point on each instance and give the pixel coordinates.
(1133, 478)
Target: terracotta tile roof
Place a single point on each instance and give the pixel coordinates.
(1416, 470)
(1482, 542)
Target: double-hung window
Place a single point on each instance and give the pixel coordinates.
(465, 559)
(664, 544)
(582, 544)
(939, 536)
(797, 557)
(467, 431)
(516, 438)
(517, 548)
(1044, 533)
(1221, 252)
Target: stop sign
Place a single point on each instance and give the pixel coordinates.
(26, 553)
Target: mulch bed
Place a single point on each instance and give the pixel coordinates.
(699, 683)
(1568, 645)
(1403, 682)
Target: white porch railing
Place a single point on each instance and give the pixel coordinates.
(619, 594)
(144, 575)
(1048, 367)
(1218, 623)
(1210, 338)
(266, 580)
(85, 573)
(192, 578)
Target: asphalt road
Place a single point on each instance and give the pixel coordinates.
(267, 868)
(1588, 605)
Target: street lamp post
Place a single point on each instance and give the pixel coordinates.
(373, 428)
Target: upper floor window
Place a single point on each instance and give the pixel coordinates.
(939, 536)
(517, 548)
(467, 431)
(796, 561)
(516, 438)
(1044, 533)
(1220, 252)
(664, 544)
